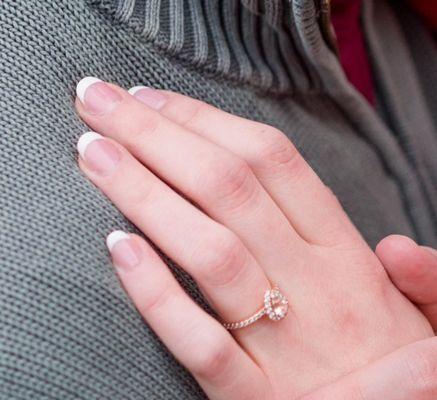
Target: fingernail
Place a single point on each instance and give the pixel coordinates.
(125, 252)
(97, 96)
(99, 154)
(150, 97)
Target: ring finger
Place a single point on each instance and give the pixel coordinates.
(225, 270)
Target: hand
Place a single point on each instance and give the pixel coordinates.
(409, 373)
(413, 269)
(263, 216)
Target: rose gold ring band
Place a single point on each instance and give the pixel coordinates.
(275, 307)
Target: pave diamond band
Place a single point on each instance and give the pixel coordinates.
(275, 307)
(231, 326)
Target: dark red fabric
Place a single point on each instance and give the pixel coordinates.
(351, 44)
(428, 10)
(353, 53)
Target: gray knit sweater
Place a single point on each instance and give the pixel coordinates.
(67, 330)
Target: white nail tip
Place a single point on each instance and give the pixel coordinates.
(85, 140)
(83, 85)
(135, 89)
(114, 237)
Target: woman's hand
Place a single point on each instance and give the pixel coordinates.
(263, 216)
(409, 373)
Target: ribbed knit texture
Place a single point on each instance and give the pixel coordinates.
(67, 330)
(246, 40)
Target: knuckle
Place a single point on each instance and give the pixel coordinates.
(340, 232)
(220, 260)
(332, 197)
(149, 124)
(276, 154)
(194, 113)
(228, 181)
(138, 198)
(215, 360)
(156, 300)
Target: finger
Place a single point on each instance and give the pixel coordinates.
(413, 269)
(214, 178)
(407, 374)
(196, 339)
(210, 253)
(310, 206)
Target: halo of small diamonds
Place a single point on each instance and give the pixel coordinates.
(275, 307)
(275, 304)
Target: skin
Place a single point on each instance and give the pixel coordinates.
(263, 216)
(413, 269)
(409, 373)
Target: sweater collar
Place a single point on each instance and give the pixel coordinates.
(259, 42)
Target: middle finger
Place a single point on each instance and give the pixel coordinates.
(222, 184)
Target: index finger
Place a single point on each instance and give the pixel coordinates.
(309, 205)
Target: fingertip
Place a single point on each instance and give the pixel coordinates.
(395, 248)
(133, 90)
(85, 140)
(411, 267)
(142, 242)
(150, 97)
(83, 85)
(397, 241)
(114, 237)
(404, 260)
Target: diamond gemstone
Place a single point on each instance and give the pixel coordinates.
(277, 305)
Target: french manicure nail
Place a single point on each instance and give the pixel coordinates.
(96, 96)
(99, 154)
(150, 97)
(124, 250)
